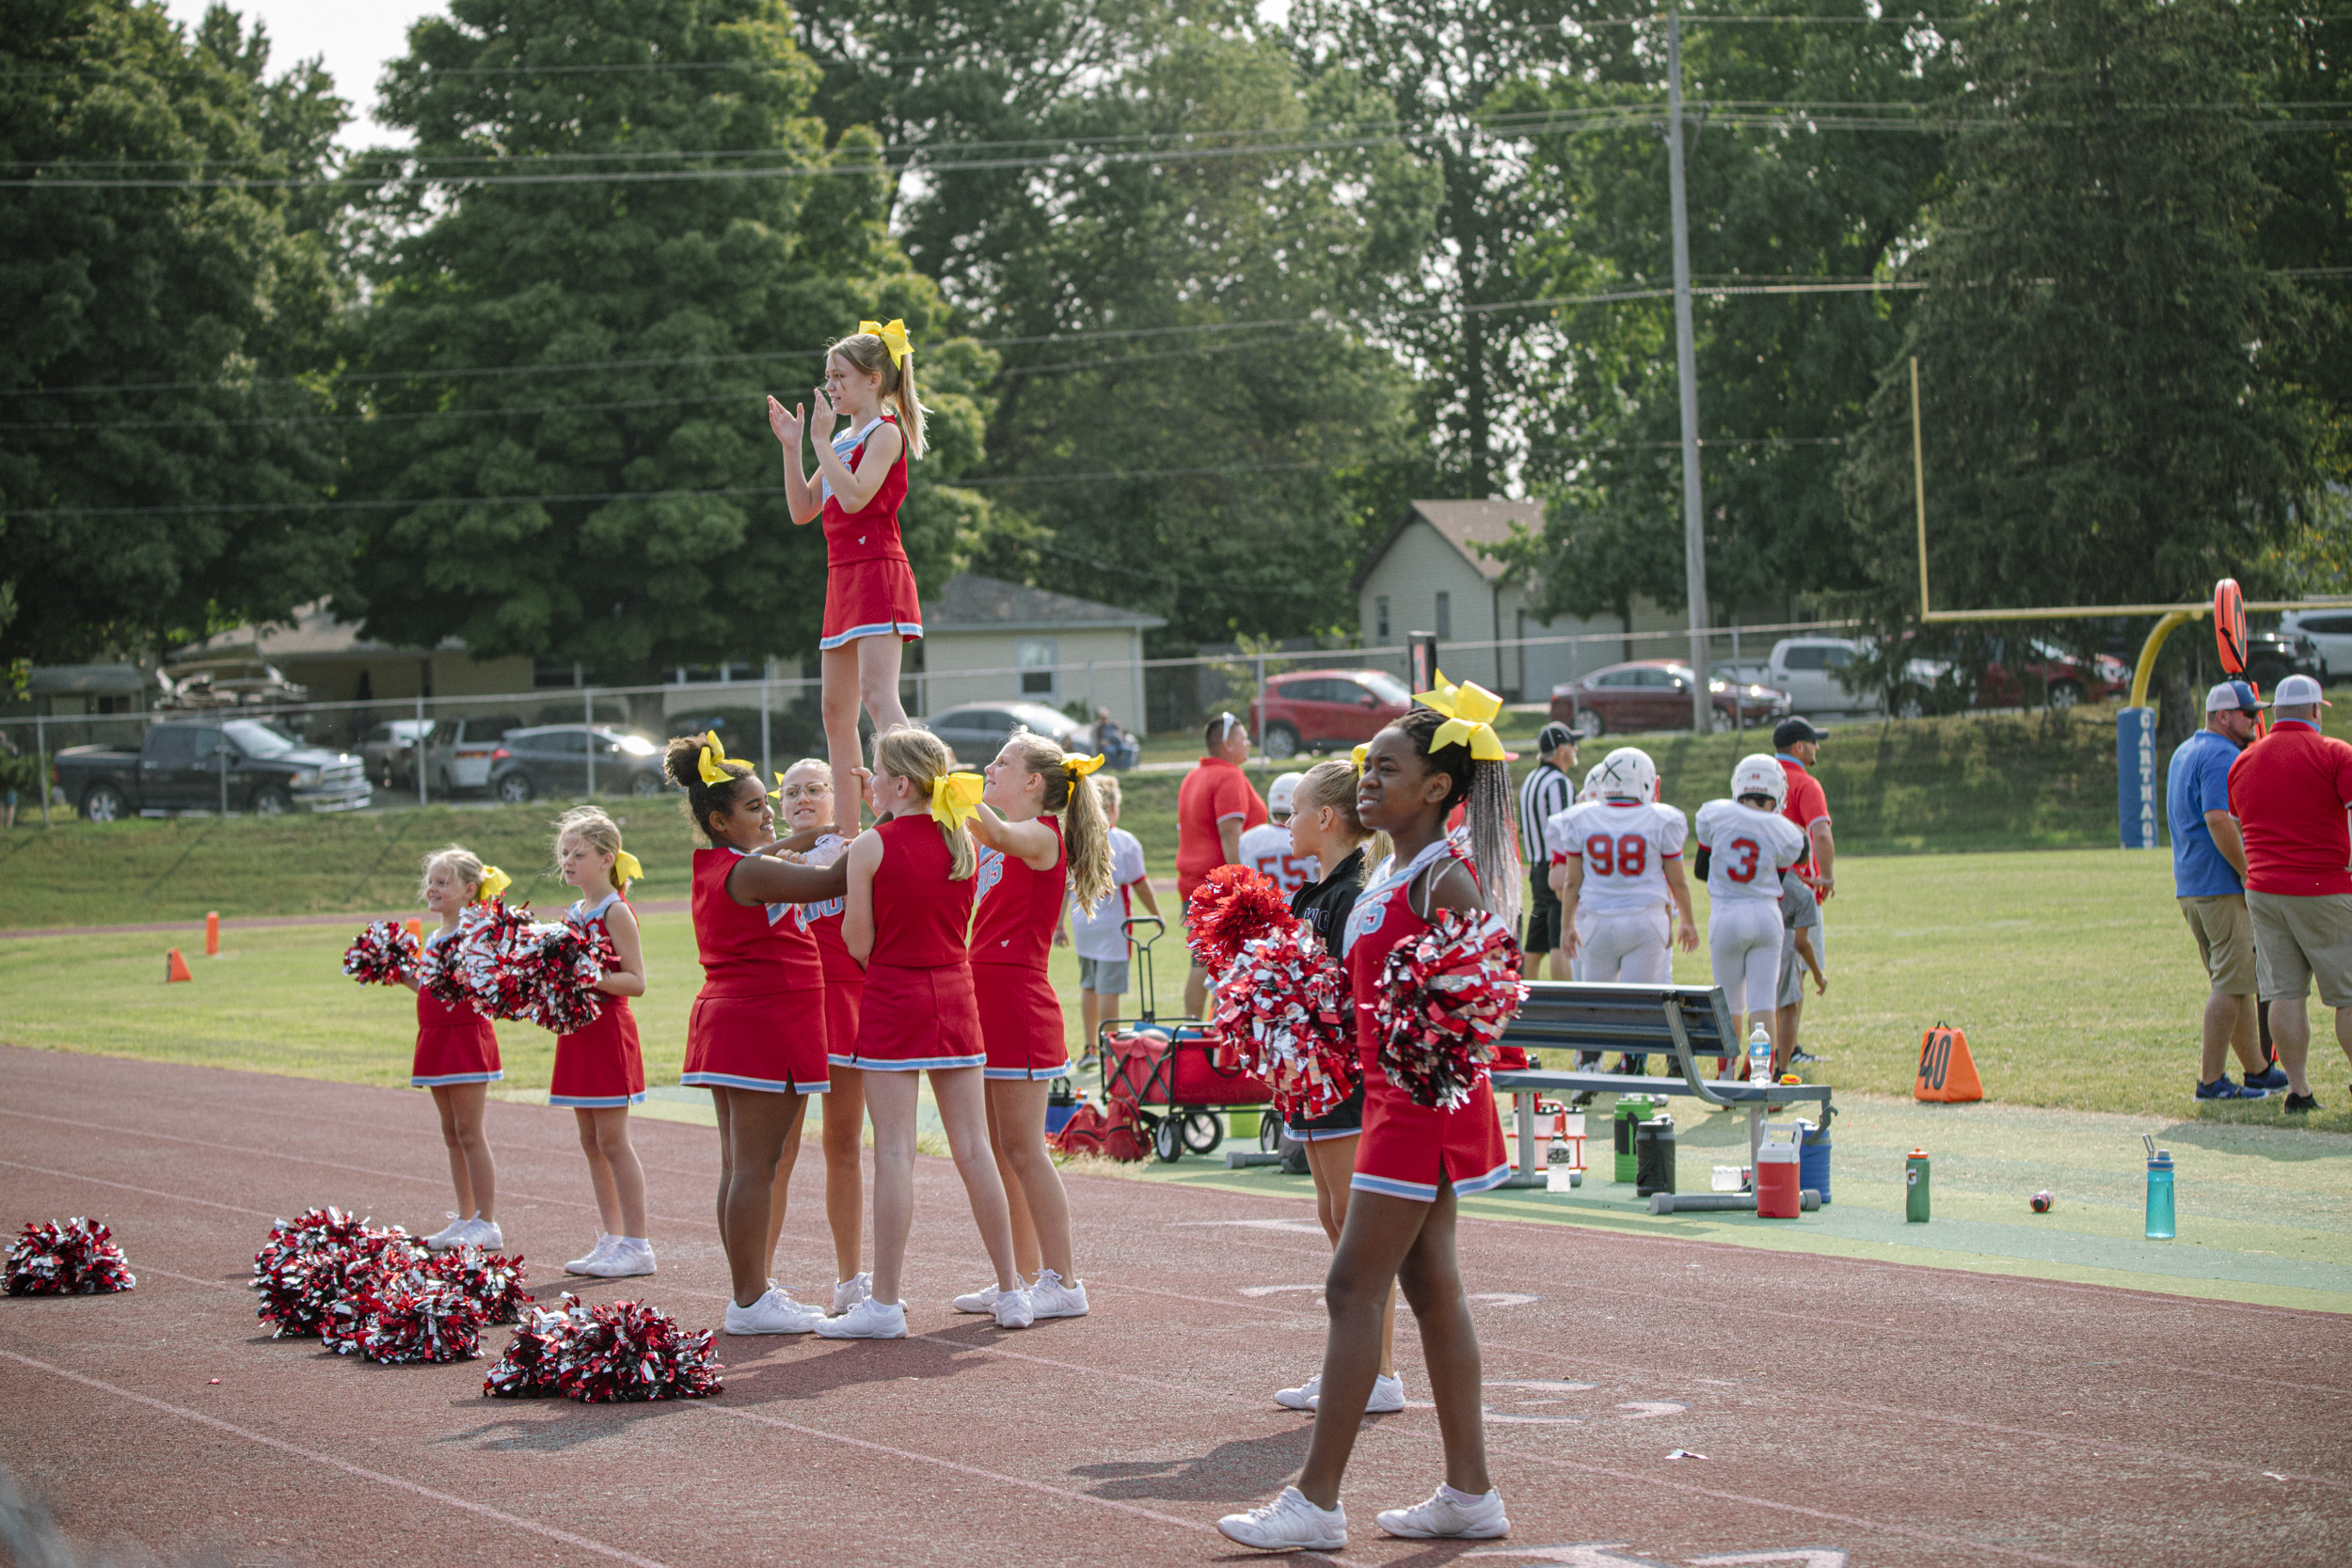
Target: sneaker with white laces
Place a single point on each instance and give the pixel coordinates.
(1288, 1524)
(604, 1241)
(625, 1258)
(868, 1319)
(1387, 1398)
(456, 1232)
(1052, 1298)
(775, 1313)
(982, 1301)
(849, 1293)
(485, 1234)
(1449, 1515)
(1302, 1397)
(1014, 1308)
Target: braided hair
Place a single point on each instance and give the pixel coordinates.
(1493, 820)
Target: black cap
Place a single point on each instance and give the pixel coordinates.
(1553, 737)
(1789, 731)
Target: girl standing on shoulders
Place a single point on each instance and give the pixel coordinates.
(1325, 828)
(870, 603)
(756, 1038)
(457, 1056)
(909, 906)
(599, 1071)
(1044, 840)
(1412, 1161)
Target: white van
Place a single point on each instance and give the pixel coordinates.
(2330, 631)
(1809, 670)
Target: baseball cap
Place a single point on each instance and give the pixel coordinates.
(1553, 737)
(1789, 731)
(1282, 792)
(2234, 697)
(2298, 691)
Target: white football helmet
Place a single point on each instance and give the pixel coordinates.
(1592, 783)
(1627, 774)
(1283, 794)
(1760, 774)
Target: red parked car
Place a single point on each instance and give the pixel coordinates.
(2058, 677)
(1313, 711)
(1654, 694)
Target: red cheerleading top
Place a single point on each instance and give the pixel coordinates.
(748, 949)
(434, 1013)
(1014, 907)
(870, 532)
(822, 921)
(920, 915)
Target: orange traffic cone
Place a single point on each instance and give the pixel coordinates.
(1947, 1072)
(176, 968)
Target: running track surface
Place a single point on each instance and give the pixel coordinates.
(1850, 1410)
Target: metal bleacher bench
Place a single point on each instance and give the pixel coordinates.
(1682, 1022)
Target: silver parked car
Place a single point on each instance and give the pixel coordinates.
(976, 732)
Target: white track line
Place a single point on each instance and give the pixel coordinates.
(447, 1499)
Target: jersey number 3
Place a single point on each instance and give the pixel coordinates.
(1740, 860)
(1628, 856)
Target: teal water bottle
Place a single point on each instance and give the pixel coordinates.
(2159, 1191)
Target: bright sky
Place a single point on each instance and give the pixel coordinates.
(356, 41)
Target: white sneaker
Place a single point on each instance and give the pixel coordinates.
(624, 1260)
(1444, 1517)
(1388, 1395)
(1288, 1524)
(849, 1293)
(1014, 1309)
(1050, 1298)
(868, 1319)
(981, 1301)
(604, 1241)
(456, 1232)
(775, 1313)
(1301, 1398)
(485, 1234)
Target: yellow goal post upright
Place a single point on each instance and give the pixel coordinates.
(2136, 782)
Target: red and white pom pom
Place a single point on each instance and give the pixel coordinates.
(313, 1271)
(1284, 1002)
(383, 954)
(438, 972)
(509, 966)
(532, 1364)
(70, 1258)
(415, 1319)
(570, 960)
(491, 1280)
(1445, 998)
(1234, 905)
(627, 1351)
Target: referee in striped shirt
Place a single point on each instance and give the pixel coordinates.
(1545, 793)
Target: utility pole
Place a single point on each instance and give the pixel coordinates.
(1686, 371)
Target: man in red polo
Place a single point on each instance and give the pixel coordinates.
(1797, 744)
(2290, 792)
(1215, 806)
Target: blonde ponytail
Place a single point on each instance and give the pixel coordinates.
(869, 354)
(1086, 830)
(922, 759)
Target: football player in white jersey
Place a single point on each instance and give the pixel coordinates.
(1266, 848)
(1617, 865)
(1745, 844)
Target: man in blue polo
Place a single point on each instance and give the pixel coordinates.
(2209, 881)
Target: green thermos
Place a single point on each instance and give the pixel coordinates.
(1633, 1109)
(1916, 1187)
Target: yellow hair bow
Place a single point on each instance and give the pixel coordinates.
(494, 883)
(894, 338)
(624, 866)
(713, 756)
(1470, 711)
(777, 793)
(956, 799)
(1078, 767)
(1358, 754)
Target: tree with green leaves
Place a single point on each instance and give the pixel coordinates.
(165, 445)
(614, 234)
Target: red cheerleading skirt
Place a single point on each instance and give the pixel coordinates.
(599, 1067)
(1411, 1150)
(1021, 1020)
(455, 1054)
(910, 1020)
(871, 598)
(774, 1043)
(842, 998)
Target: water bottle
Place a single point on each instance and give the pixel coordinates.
(2159, 1191)
(1759, 1057)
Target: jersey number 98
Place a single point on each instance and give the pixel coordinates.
(1625, 857)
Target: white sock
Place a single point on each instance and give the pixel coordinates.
(1465, 1499)
(638, 1241)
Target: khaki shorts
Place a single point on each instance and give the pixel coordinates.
(2302, 939)
(2225, 940)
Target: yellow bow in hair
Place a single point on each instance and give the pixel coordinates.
(894, 338)
(713, 756)
(624, 866)
(777, 793)
(1078, 767)
(1470, 711)
(494, 883)
(1358, 754)
(956, 799)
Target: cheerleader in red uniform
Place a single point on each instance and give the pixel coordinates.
(457, 1056)
(756, 1038)
(1412, 1161)
(598, 1070)
(909, 906)
(870, 604)
(1043, 836)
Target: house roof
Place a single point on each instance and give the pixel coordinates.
(972, 603)
(1464, 525)
(312, 634)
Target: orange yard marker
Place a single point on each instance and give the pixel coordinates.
(176, 968)
(1947, 1072)
(212, 934)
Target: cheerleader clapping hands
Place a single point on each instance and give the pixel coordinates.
(599, 1069)
(457, 1056)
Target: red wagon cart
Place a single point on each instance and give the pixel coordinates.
(1180, 1076)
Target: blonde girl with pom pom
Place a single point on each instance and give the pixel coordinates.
(457, 1056)
(599, 1071)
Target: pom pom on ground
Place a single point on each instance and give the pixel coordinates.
(1234, 905)
(312, 1271)
(1285, 1002)
(491, 1280)
(627, 1351)
(383, 954)
(70, 1258)
(1445, 998)
(532, 1364)
(417, 1319)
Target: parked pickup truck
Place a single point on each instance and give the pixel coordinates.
(184, 766)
